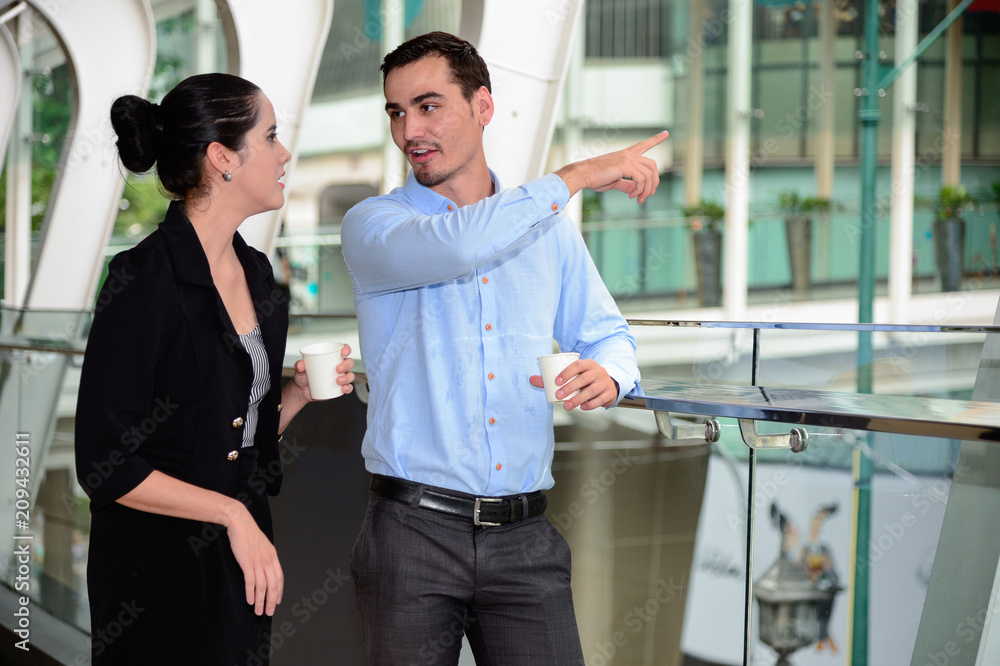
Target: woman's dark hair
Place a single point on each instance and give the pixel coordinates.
(468, 69)
(175, 134)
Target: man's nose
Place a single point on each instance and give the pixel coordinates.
(413, 127)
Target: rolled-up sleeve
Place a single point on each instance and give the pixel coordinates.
(135, 310)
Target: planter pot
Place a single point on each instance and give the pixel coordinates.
(949, 242)
(708, 262)
(798, 231)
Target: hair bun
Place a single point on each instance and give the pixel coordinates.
(139, 126)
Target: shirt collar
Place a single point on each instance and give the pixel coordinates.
(429, 201)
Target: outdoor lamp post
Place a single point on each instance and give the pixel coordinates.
(789, 602)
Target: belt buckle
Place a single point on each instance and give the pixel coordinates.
(475, 512)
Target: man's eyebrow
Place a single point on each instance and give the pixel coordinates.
(426, 96)
(393, 106)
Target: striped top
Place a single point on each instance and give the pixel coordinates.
(253, 343)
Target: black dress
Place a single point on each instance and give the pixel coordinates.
(166, 385)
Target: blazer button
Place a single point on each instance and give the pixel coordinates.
(280, 405)
(233, 455)
(238, 421)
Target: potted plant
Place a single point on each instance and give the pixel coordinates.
(798, 212)
(949, 233)
(705, 220)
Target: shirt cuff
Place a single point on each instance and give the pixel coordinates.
(549, 191)
(623, 379)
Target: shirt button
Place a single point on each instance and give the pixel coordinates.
(238, 421)
(486, 280)
(490, 376)
(499, 467)
(233, 455)
(489, 327)
(555, 206)
(450, 207)
(492, 420)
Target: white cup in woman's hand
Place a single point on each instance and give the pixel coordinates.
(321, 361)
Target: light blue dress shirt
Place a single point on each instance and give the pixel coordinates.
(455, 305)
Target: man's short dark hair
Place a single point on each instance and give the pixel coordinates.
(468, 69)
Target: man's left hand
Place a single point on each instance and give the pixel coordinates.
(596, 387)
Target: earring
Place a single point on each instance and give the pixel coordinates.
(227, 176)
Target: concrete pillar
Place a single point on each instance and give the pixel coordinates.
(393, 34)
(739, 114)
(904, 132)
(951, 160)
(826, 130)
(694, 147)
(206, 41)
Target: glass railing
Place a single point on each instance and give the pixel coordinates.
(654, 260)
(45, 519)
(728, 554)
(687, 543)
(656, 257)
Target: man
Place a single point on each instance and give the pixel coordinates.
(459, 286)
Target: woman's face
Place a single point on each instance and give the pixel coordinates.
(258, 175)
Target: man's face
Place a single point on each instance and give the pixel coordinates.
(438, 130)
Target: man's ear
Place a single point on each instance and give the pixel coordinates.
(482, 105)
(220, 158)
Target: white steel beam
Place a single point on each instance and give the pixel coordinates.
(527, 80)
(94, 34)
(17, 248)
(10, 85)
(259, 51)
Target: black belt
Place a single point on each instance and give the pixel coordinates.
(482, 510)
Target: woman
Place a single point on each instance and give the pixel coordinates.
(181, 404)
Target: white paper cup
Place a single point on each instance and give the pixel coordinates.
(551, 366)
(322, 360)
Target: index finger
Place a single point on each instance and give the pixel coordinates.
(645, 145)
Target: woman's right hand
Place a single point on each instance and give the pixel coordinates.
(256, 555)
(168, 496)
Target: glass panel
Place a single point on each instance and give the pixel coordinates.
(630, 514)
(905, 363)
(44, 533)
(803, 558)
(845, 113)
(930, 90)
(780, 94)
(353, 49)
(781, 51)
(989, 113)
(625, 29)
(715, 607)
(715, 115)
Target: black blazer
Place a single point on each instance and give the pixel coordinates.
(166, 383)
